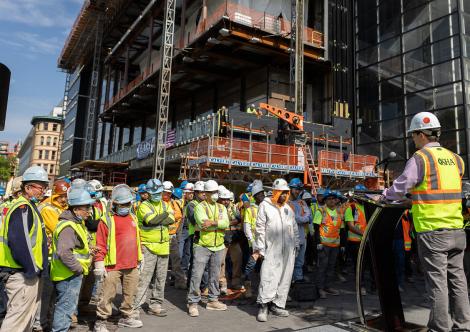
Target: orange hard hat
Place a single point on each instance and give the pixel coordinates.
(60, 187)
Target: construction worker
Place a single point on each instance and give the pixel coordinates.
(142, 196)
(23, 251)
(303, 218)
(154, 215)
(71, 256)
(211, 221)
(232, 239)
(277, 242)
(174, 196)
(118, 258)
(433, 178)
(251, 109)
(407, 229)
(50, 210)
(188, 196)
(15, 193)
(328, 228)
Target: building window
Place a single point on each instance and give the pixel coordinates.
(48, 141)
(39, 154)
(51, 169)
(41, 142)
(53, 155)
(46, 154)
(54, 126)
(54, 142)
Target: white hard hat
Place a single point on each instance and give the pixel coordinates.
(35, 174)
(78, 196)
(232, 196)
(222, 187)
(16, 184)
(424, 121)
(79, 183)
(211, 185)
(188, 188)
(280, 184)
(199, 186)
(96, 185)
(224, 194)
(257, 188)
(168, 186)
(122, 194)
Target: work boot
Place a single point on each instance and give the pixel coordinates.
(100, 326)
(216, 305)
(248, 291)
(278, 311)
(130, 322)
(223, 289)
(37, 327)
(262, 313)
(192, 310)
(322, 294)
(157, 310)
(74, 320)
(341, 278)
(331, 291)
(205, 292)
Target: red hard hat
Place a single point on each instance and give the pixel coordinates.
(60, 187)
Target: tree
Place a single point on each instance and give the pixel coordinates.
(7, 166)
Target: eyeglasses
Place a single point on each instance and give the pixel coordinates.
(38, 187)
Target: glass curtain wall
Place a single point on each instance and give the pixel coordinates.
(409, 59)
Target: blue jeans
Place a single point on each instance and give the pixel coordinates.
(299, 262)
(3, 300)
(67, 292)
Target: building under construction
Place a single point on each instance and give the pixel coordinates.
(183, 84)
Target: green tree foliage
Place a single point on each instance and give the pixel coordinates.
(7, 166)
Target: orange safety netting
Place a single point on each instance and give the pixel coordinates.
(353, 162)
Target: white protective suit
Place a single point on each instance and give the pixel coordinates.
(276, 239)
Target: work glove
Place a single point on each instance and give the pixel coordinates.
(158, 219)
(319, 247)
(100, 271)
(141, 264)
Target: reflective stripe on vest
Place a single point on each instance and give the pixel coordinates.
(437, 201)
(212, 237)
(59, 271)
(329, 230)
(34, 238)
(406, 227)
(154, 238)
(359, 221)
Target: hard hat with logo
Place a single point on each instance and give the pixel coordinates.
(154, 186)
(199, 186)
(142, 188)
(35, 174)
(60, 187)
(210, 186)
(178, 193)
(79, 183)
(424, 121)
(296, 183)
(225, 194)
(257, 188)
(79, 197)
(280, 184)
(96, 185)
(122, 194)
(188, 188)
(16, 185)
(168, 186)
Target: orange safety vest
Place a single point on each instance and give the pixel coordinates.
(359, 220)
(329, 229)
(406, 225)
(173, 228)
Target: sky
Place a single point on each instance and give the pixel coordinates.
(32, 34)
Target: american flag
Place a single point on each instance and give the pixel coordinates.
(170, 138)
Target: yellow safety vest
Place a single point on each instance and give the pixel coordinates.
(437, 201)
(34, 239)
(213, 237)
(155, 238)
(110, 258)
(59, 271)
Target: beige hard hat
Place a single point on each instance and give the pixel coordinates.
(16, 184)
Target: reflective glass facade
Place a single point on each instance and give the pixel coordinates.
(411, 56)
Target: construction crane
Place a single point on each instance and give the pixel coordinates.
(164, 90)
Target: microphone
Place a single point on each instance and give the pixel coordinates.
(391, 155)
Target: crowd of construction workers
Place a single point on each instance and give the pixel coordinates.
(66, 252)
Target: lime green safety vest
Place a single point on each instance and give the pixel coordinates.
(59, 271)
(213, 237)
(110, 258)
(194, 203)
(437, 201)
(34, 239)
(154, 238)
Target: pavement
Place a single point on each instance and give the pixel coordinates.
(332, 314)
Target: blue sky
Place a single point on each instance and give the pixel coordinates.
(32, 33)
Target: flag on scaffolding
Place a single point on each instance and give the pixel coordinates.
(170, 138)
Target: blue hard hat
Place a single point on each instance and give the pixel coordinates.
(329, 193)
(178, 193)
(78, 197)
(296, 183)
(154, 186)
(183, 184)
(142, 188)
(245, 198)
(2, 191)
(35, 174)
(122, 194)
(248, 189)
(360, 187)
(321, 191)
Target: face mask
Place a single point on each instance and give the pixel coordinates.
(34, 200)
(122, 211)
(99, 194)
(215, 197)
(156, 197)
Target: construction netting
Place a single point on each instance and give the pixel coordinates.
(331, 160)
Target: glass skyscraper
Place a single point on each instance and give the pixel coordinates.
(411, 56)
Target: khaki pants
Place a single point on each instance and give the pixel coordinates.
(129, 279)
(236, 257)
(22, 303)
